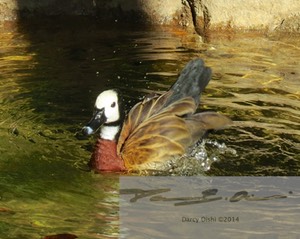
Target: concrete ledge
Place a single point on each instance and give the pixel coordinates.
(201, 15)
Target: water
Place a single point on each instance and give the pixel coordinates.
(51, 73)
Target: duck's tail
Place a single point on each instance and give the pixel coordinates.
(191, 82)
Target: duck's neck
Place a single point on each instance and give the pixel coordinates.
(104, 157)
(110, 132)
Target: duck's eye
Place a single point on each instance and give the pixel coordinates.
(113, 105)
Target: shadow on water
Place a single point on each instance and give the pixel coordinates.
(52, 71)
(52, 74)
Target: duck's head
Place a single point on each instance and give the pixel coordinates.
(108, 111)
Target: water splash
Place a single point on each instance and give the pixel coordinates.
(208, 151)
(197, 162)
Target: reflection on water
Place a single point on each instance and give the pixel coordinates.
(50, 76)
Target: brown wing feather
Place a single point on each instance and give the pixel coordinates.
(139, 113)
(156, 141)
(159, 136)
(201, 122)
(153, 133)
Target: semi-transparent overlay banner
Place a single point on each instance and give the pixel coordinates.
(210, 207)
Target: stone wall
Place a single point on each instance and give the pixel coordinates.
(255, 14)
(201, 14)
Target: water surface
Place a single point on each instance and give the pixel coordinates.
(51, 73)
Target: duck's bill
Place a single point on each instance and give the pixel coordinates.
(95, 123)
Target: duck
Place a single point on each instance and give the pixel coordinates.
(156, 130)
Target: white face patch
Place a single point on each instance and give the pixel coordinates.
(108, 100)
